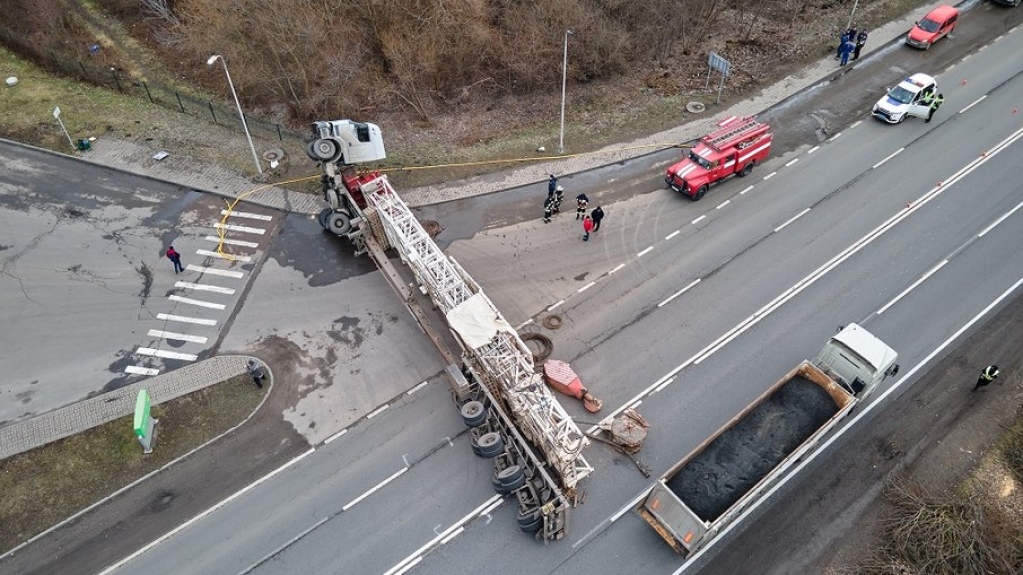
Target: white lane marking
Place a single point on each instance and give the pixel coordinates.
(792, 219)
(242, 229)
(856, 123)
(843, 429)
(214, 271)
(249, 215)
(416, 555)
(645, 252)
(722, 204)
(185, 319)
(585, 287)
(771, 175)
(166, 354)
(999, 220)
(835, 137)
(975, 102)
(490, 508)
(204, 287)
(200, 516)
(524, 324)
(176, 336)
(231, 257)
(603, 524)
(792, 161)
(888, 157)
(417, 388)
(374, 489)
(226, 241)
(141, 370)
(812, 278)
(666, 383)
(409, 566)
(637, 404)
(452, 535)
(812, 150)
(697, 220)
(378, 411)
(748, 188)
(672, 234)
(555, 306)
(617, 267)
(679, 292)
(335, 436)
(197, 302)
(913, 285)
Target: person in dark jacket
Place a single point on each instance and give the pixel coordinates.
(841, 42)
(256, 371)
(988, 375)
(175, 259)
(552, 186)
(845, 50)
(861, 40)
(548, 209)
(597, 214)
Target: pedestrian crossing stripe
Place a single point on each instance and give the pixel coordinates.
(185, 319)
(227, 242)
(243, 229)
(214, 271)
(231, 257)
(165, 354)
(138, 370)
(176, 336)
(197, 302)
(248, 215)
(204, 287)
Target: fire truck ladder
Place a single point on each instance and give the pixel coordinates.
(504, 356)
(727, 133)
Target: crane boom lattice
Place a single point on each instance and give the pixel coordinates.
(485, 336)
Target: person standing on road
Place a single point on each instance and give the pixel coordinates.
(597, 214)
(861, 40)
(548, 209)
(581, 201)
(587, 228)
(986, 376)
(559, 195)
(175, 259)
(552, 186)
(256, 371)
(936, 102)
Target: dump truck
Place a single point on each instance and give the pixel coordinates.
(712, 485)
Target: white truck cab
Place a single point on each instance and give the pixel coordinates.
(906, 99)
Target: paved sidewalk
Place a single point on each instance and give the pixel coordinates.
(78, 417)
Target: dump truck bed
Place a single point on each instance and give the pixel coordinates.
(698, 495)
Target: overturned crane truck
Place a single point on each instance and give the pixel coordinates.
(700, 495)
(512, 416)
(734, 148)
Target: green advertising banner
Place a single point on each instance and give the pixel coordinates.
(142, 413)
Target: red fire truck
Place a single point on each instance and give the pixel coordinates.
(733, 148)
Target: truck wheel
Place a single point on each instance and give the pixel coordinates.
(490, 445)
(322, 218)
(339, 223)
(746, 170)
(702, 191)
(473, 413)
(324, 150)
(511, 475)
(499, 488)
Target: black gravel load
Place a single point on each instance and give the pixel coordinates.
(741, 456)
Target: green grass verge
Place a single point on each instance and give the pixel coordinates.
(49, 484)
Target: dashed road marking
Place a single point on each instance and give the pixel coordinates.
(204, 287)
(679, 292)
(176, 336)
(771, 175)
(214, 271)
(792, 219)
(748, 188)
(645, 252)
(812, 150)
(790, 162)
(165, 354)
(585, 287)
(231, 257)
(699, 219)
(890, 156)
(198, 302)
(974, 103)
(672, 234)
(723, 204)
(185, 319)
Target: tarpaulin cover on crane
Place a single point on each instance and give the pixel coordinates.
(476, 321)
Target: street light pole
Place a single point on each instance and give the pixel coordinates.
(851, 16)
(245, 125)
(564, 81)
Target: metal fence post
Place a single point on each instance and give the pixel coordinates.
(180, 105)
(212, 113)
(146, 86)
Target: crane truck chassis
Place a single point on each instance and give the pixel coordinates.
(712, 485)
(512, 416)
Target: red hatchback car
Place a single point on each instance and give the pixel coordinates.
(936, 25)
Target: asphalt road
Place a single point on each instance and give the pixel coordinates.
(89, 301)
(634, 334)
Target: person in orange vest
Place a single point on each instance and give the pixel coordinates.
(587, 228)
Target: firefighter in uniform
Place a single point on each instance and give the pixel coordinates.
(580, 206)
(548, 209)
(935, 102)
(986, 376)
(559, 195)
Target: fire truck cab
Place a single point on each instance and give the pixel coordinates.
(734, 148)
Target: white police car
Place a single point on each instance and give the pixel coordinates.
(906, 99)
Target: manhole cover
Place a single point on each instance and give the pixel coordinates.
(273, 155)
(695, 107)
